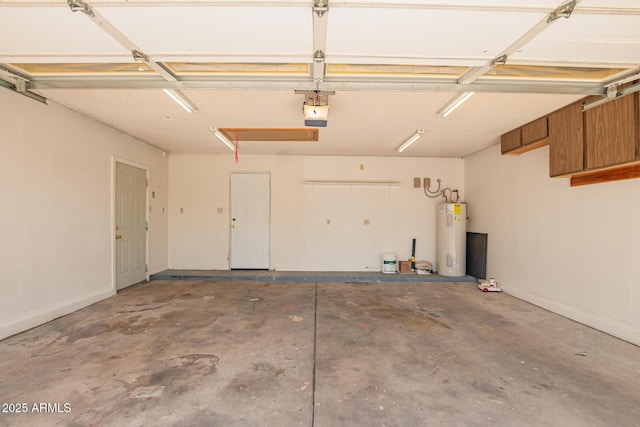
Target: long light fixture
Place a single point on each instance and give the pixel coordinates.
(411, 140)
(454, 103)
(221, 136)
(181, 100)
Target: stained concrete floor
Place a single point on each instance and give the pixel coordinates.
(317, 354)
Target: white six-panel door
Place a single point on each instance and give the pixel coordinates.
(131, 225)
(250, 221)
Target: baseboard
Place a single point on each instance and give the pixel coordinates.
(38, 317)
(609, 326)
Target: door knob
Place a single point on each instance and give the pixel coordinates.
(118, 236)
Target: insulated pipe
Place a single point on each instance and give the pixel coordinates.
(413, 255)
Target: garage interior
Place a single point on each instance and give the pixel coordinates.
(174, 103)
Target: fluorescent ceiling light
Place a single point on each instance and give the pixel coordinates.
(454, 103)
(411, 140)
(223, 138)
(181, 99)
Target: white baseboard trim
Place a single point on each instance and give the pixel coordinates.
(37, 317)
(612, 327)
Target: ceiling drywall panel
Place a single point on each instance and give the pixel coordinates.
(583, 38)
(28, 34)
(470, 36)
(179, 32)
(360, 123)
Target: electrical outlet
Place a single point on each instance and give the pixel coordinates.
(181, 210)
(416, 182)
(328, 221)
(427, 182)
(361, 167)
(366, 222)
(219, 210)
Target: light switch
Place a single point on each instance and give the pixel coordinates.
(366, 222)
(181, 210)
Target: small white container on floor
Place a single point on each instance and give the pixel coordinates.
(389, 263)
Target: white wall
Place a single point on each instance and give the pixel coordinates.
(56, 210)
(572, 250)
(300, 237)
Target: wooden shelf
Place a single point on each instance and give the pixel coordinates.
(607, 175)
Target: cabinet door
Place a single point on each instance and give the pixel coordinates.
(611, 133)
(566, 142)
(511, 140)
(534, 131)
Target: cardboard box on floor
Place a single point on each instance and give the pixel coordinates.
(404, 267)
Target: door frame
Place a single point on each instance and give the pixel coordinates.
(231, 213)
(112, 226)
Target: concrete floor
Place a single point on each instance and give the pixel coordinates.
(317, 354)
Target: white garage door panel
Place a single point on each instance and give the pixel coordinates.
(583, 38)
(609, 4)
(30, 31)
(219, 30)
(531, 4)
(425, 32)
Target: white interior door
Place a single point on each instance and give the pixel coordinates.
(131, 225)
(250, 221)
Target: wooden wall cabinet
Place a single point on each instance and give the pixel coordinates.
(511, 140)
(566, 141)
(611, 133)
(525, 138)
(535, 131)
(597, 145)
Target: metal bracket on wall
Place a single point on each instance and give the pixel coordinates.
(21, 88)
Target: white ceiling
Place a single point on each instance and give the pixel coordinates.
(369, 115)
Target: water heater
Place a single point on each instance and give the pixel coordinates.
(451, 239)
